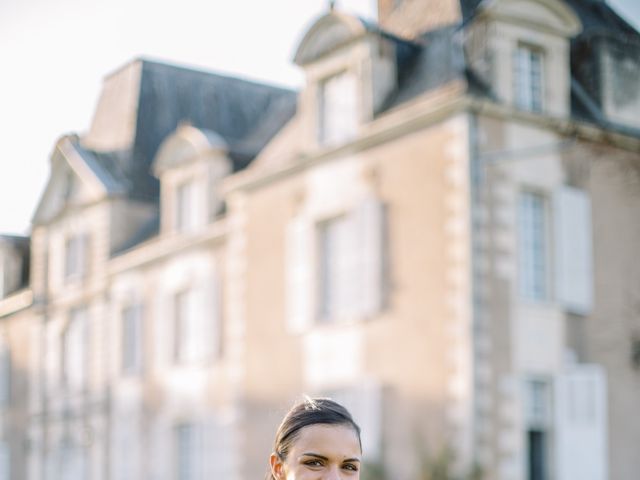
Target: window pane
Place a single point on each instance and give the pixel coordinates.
(537, 446)
(533, 254)
(185, 452)
(528, 79)
(337, 267)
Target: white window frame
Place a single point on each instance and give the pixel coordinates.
(534, 246)
(529, 77)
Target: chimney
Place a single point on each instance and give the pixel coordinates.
(410, 18)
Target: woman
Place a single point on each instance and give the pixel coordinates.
(317, 440)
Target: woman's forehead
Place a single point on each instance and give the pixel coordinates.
(328, 440)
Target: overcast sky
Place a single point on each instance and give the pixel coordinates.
(54, 53)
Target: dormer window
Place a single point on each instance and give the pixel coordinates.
(190, 165)
(338, 109)
(351, 71)
(528, 77)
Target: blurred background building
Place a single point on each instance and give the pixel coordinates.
(439, 230)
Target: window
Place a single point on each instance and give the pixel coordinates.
(528, 78)
(538, 423)
(185, 205)
(75, 256)
(338, 112)
(132, 339)
(74, 351)
(533, 249)
(338, 268)
(187, 453)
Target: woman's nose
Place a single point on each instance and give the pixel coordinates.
(333, 474)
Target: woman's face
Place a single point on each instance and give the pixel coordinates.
(321, 452)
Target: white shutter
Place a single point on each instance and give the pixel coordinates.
(193, 323)
(371, 251)
(574, 256)
(581, 423)
(212, 327)
(299, 272)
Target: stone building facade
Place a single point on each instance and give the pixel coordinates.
(437, 230)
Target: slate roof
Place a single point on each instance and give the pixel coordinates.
(417, 74)
(595, 15)
(442, 48)
(598, 17)
(169, 95)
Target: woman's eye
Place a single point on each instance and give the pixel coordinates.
(350, 466)
(313, 463)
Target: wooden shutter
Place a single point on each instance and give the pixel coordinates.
(581, 424)
(299, 275)
(574, 255)
(370, 217)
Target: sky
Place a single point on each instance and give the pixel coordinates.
(54, 54)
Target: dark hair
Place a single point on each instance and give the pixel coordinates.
(311, 411)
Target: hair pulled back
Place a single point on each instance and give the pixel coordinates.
(311, 411)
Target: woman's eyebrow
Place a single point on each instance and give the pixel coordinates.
(322, 457)
(316, 455)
